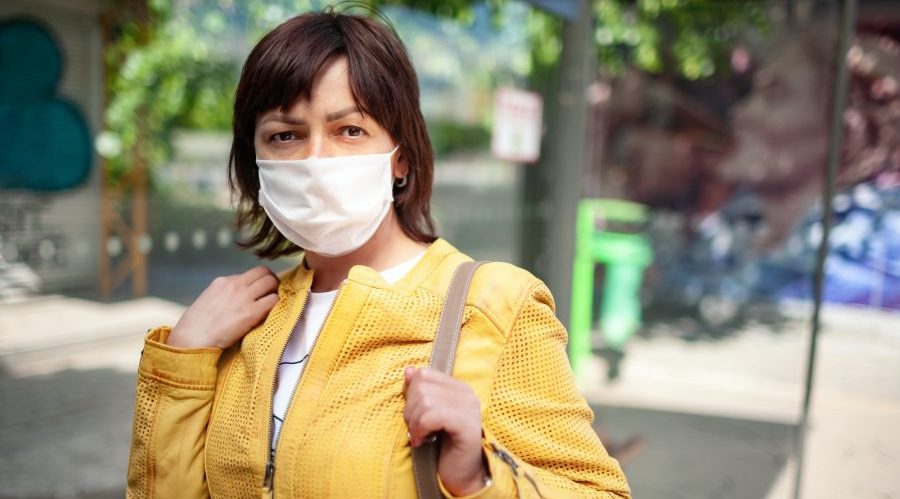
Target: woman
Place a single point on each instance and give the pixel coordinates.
(307, 385)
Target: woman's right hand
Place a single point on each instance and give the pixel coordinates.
(226, 310)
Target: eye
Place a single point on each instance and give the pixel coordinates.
(352, 131)
(283, 137)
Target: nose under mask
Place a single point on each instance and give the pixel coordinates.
(329, 206)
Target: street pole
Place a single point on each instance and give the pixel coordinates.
(565, 168)
(839, 100)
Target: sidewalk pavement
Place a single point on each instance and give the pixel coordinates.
(755, 379)
(67, 378)
(50, 333)
(718, 416)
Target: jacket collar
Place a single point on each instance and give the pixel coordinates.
(301, 277)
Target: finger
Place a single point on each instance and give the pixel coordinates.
(416, 385)
(416, 405)
(421, 391)
(411, 414)
(263, 286)
(253, 274)
(408, 373)
(266, 273)
(260, 308)
(419, 405)
(427, 423)
(432, 375)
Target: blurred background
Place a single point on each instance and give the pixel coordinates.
(711, 188)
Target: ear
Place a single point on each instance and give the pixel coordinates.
(399, 166)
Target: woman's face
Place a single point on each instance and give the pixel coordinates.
(329, 124)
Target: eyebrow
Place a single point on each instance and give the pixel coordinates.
(300, 121)
(341, 114)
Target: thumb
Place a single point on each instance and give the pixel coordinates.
(408, 373)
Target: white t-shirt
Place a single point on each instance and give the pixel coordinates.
(296, 353)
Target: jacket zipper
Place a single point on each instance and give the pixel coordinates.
(269, 480)
(270, 461)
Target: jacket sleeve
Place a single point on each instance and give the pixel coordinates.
(174, 399)
(538, 439)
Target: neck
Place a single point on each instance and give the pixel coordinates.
(389, 246)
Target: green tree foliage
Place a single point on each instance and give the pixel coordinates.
(686, 38)
(176, 65)
(171, 64)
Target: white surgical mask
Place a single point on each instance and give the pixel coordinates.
(330, 206)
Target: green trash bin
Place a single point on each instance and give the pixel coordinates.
(607, 233)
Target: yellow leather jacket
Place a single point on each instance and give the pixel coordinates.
(202, 416)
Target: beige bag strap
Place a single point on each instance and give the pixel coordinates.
(425, 456)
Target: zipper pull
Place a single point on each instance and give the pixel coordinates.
(270, 473)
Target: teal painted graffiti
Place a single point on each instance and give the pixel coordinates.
(45, 144)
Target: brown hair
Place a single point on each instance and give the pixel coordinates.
(281, 69)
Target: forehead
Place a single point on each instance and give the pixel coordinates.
(333, 82)
(329, 92)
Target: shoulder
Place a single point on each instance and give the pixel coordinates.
(501, 291)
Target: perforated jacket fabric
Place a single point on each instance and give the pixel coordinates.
(202, 416)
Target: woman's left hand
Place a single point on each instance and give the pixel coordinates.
(437, 402)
